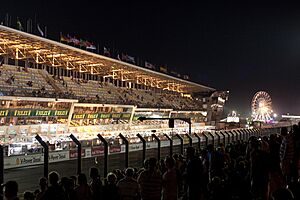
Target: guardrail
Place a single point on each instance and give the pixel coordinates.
(181, 141)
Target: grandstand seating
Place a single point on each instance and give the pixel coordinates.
(20, 81)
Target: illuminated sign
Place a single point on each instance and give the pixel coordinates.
(92, 116)
(32, 113)
(116, 115)
(4, 113)
(43, 113)
(126, 115)
(61, 112)
(78, 116)
(21, 113)
(102, 116)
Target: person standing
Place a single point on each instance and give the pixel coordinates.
(169, 181)
(128, 187)
(150, 182)
(194, 175)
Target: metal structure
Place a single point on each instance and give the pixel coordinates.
(261, 107)
(19, 45)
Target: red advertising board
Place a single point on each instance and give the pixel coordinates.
(97, 150)
(114, 148)
(73, 153)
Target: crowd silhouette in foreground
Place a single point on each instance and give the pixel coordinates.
(259, 169)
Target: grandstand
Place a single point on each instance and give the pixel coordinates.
(51, 88)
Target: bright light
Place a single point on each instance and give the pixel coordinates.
(261, 104)
(274, 115)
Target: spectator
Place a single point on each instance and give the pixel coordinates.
(286, 154)
(128, 186)
(150, 182)
(169, 181)
(110, 190)
(95, 184)
(54, 191)
(83, 190)
(217, 189)
(11, 190)
(259, 170)
(283, 194)
(28, 195)
(194, 175)
(276, 177)
(70, 192)
(43, 187)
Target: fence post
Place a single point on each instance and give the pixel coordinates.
(190, 139)
(171, 144)
(199, 141)
(126, 149)
(77, 142)
(228, 137)
(219, 137)
(240, 135)
(212, 137)
(181, 143)
(46, 154)
(105, 143)
(144, 146)
(224, 138)
(206, 139)
(158, 145)
(232, 136)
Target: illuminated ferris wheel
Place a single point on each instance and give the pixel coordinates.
(261, 107)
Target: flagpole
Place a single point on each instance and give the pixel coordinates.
(6, 19)
(35, 24)
(45, 31)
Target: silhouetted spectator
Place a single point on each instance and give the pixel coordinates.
(43, 183)
(283, 194)
(128, 186)
(169, 181)
(150, 181)
(194, 178)
(83, 190)
(259, 170)
(11, 190)
(54, 191)
(217, 189)
(28, 195)
(95, 184)
(286, 154)
(110, 190)
(276, 177)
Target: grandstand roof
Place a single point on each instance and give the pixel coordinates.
(20, 45)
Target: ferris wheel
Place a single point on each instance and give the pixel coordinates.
(261, 107)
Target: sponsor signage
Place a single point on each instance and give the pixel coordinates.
(73, 153)
(102, 116)
(27, 160)
(97, 150)
(4, 113)
(78, 116)
(58, 156)
(114, 148)
(32, 113)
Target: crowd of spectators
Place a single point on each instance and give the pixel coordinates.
(259, 169)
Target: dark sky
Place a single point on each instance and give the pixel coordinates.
(240, 47)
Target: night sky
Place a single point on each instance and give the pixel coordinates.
(240, 47)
